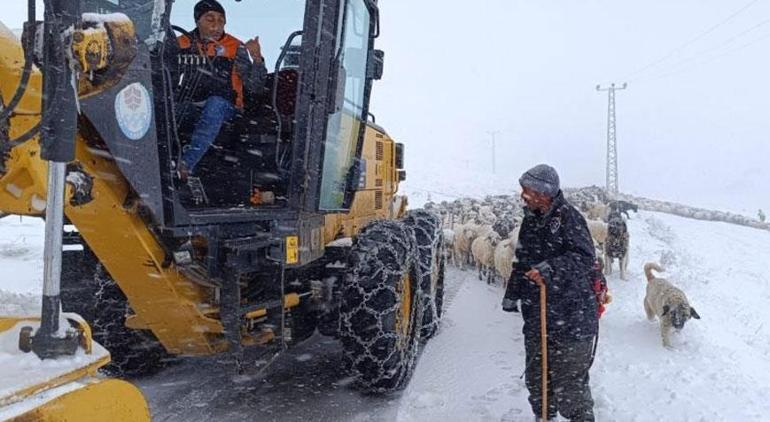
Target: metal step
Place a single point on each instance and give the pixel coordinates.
(197, 191)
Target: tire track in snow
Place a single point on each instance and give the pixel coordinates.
(470, 370)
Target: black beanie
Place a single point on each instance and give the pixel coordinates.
(541, 178)
(205, 6)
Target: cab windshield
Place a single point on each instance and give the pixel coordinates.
(271, 21)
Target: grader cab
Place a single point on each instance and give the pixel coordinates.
(293, 224)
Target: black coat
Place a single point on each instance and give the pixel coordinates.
(559, 245)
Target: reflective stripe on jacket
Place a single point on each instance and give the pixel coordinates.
(228, 68)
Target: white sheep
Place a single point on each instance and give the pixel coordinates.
(483, 251)
(464, 236)
(469, 216)
(598, 231)
(449, 245)
(597, 211)
(504, 257)
(487, 215)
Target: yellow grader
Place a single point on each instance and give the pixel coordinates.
(294, 225)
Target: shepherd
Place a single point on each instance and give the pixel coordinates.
(555, 257)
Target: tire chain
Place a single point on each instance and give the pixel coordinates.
(381, 256)
(133, 353)
(429, 236)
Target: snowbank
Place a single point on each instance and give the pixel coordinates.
(695, 213)
(595, 193)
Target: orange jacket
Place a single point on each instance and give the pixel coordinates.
(229, 64)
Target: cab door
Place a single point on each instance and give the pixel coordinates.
(341, 167)
(333, 133)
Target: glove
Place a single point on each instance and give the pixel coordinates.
(510, 305)
(513, 289)
(519, 267)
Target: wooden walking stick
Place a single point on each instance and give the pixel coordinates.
(544, 351)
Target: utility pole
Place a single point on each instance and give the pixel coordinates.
(612, 144)
(492, 133)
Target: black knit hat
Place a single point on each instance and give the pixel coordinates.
(541, 178)
(205, 6)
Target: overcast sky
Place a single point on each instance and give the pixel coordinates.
(692, 126)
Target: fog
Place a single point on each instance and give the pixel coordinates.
(692, 125)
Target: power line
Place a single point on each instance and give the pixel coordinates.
(693, 40)
(712, 59)
(677, 67)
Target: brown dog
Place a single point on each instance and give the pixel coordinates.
(666, 302)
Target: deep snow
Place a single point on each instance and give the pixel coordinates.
(719, 368)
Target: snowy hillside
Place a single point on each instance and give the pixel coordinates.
(696, 213)
(719, 368)
(594, 193)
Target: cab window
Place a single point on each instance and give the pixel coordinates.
(344, 126)
(271, 21)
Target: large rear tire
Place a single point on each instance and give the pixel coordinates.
(429, 237)
(380, 313)
(88, 290)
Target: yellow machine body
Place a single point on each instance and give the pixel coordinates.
(378, 199)
(180, 312)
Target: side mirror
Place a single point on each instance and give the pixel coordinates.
(376, 64)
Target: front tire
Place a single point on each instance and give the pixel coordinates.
(380, 314)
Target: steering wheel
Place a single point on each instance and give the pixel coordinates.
(182, 31)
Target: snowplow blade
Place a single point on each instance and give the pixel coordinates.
(94, 400)
(63, 389)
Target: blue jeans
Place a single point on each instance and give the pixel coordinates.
(215, 112)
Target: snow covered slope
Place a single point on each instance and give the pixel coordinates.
(719, 368)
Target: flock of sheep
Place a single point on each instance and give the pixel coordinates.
(484, 233)
(481, 234)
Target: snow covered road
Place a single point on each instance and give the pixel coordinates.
(303, 384)
(470, 371)
(719, 368)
